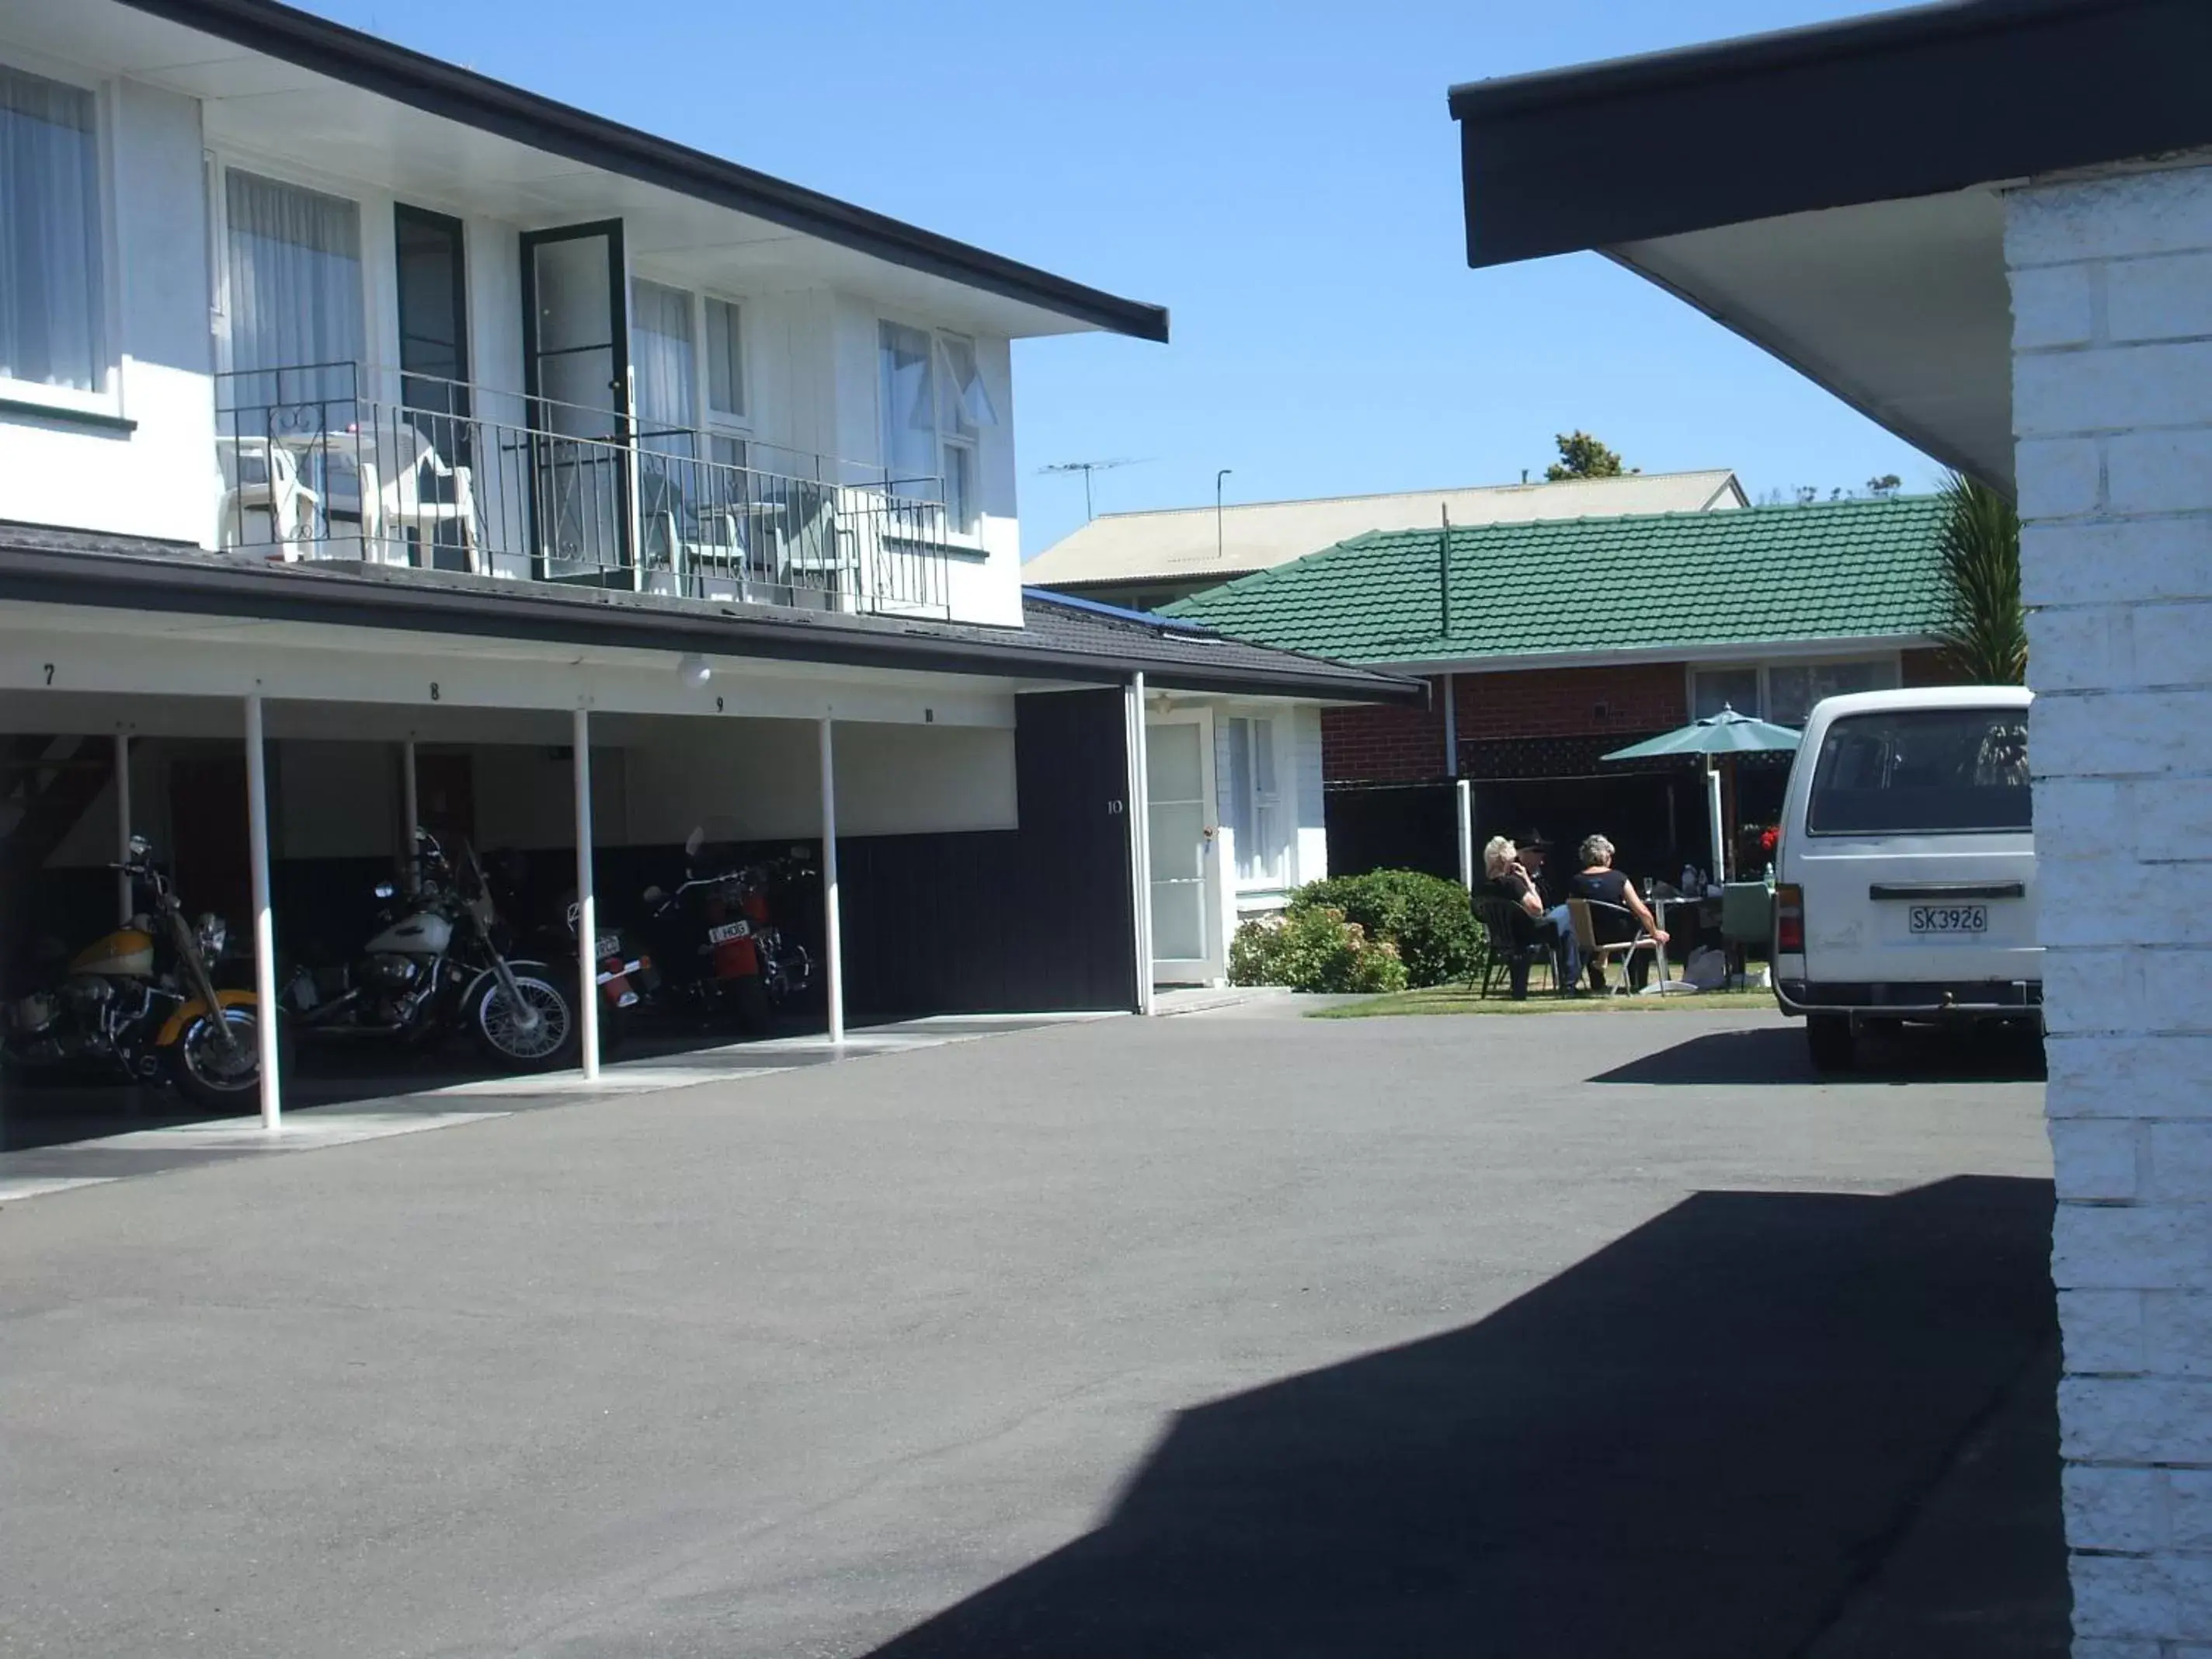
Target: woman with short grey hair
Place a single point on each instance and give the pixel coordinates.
(1603, 885)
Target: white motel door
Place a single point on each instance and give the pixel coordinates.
(1182, 825)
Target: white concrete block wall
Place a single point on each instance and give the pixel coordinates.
(2112, 288)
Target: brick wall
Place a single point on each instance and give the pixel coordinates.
(2112, 293)
(1407, 745)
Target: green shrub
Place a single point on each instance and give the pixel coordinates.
(1427, 918)
(1314, 949)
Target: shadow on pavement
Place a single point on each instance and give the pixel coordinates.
(1776, 1054)
(1730, 1432)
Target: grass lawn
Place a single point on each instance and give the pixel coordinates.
(1458, 999)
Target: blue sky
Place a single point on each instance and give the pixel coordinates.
(1284, 177)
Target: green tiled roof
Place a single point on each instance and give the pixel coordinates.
(1751, 575)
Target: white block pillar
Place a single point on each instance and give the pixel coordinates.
(264, 919)
(587, 915)
(1463, 799)
(2112, 298)
(126, 900)
(1139, 809)
(833, 952)
(1713, 821)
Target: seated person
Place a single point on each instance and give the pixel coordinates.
(1507, 878)
(1605, 886)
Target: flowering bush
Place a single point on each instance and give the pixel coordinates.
(1313, 948)
(1425, 918)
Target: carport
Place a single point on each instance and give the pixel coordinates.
(968, 793)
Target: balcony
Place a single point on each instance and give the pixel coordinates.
(345, 462)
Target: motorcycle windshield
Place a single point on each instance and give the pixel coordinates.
(715, 847)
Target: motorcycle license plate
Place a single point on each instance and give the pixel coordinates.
(606, 945)
(728, 930)
(1950, 919)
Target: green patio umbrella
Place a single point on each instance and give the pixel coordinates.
(1718, 739)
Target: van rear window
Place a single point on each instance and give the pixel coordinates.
(1922, 771)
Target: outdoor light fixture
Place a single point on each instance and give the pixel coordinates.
(694, 670)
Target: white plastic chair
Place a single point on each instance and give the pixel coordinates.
(393, 465)
(258, 475)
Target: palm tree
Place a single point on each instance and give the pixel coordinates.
(1984, 627)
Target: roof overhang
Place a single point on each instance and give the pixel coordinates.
(1832, 194)
(41, 567)
(323, 95)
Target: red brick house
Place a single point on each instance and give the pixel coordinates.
(1546, 646)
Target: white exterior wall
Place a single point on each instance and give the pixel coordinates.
(2112, 285)
(1311, 848)
(159, 479)
(811, 354)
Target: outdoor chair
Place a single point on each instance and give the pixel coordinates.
(261, 477)
(1584, 914)
(1514, 945)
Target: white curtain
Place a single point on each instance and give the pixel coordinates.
(50, 306)
(661, 353)
(1255, 811)
(296, 319)
(909, 408)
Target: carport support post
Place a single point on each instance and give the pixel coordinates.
(587, 916)
(1464, 791)
(1141, 850)
(410, 809)
(265, 921)
(126, 900)
(833, 953)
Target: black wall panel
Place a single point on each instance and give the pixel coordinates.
(1032, 919)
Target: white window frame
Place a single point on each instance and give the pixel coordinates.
(940, 371)
(108, 399)
(1765, 667)
(1282, 804)
(718, 423)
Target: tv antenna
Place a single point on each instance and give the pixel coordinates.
(1086, 468)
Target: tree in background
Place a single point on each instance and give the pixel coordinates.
(1888, 484)
(1985, 627)
(1582, 456)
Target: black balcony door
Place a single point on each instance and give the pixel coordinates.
(576, 370)
(433, 354)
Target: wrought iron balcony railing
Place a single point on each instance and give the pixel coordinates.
(452, 476)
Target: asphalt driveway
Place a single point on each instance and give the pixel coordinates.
(1221, 1335)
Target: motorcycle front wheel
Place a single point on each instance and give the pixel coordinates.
(207, 1075)
(494, 1023)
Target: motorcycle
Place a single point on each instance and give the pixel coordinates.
(623, 972)
(435, 963)
(715, 935)
(141, 1002)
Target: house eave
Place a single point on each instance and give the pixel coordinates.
(462, 95)
(1903, 104)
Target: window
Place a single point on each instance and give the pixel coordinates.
(52, 298)
(1716, 689)
(935, 407)
(1254, 804)
(1923, 772)
(297, 319)
(1783, 692)
(726, 368)
(661, 355)
(1792, 688)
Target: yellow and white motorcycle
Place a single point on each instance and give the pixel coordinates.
(141, 1002)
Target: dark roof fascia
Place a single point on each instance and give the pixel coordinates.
(210, 587)
(445, 89)
(1901, 104)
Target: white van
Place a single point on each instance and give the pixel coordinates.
(1905, 873)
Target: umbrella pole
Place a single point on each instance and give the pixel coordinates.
(1713, 806)
(1728, 819)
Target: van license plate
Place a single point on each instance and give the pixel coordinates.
(1950, 919)
(728, 930)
